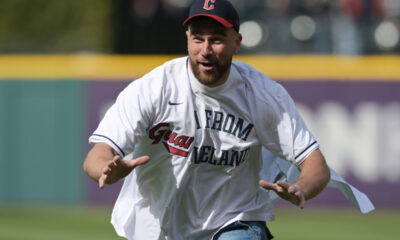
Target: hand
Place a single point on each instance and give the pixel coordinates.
(118, 168)
(290, 192)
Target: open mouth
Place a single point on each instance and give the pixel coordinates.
(207, 66)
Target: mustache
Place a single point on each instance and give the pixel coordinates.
(207, 58)
(207, 61)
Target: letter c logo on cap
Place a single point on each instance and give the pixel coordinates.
(209, 4)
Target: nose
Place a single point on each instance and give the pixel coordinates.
(206, 49)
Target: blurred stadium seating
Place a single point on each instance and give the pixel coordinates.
(350, 27)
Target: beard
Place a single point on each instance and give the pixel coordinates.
(213, 77)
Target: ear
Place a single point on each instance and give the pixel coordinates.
(238, 41)
(187, 39)
(187, 34)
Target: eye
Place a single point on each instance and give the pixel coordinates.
(197, 39)
(217, 40)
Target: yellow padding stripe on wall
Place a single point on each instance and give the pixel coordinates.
(291, 67)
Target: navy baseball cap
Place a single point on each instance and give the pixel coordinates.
(220, 10)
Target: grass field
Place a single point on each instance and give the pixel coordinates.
(335, 223)
(79, 223)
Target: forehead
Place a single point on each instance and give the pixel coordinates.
(206, 25)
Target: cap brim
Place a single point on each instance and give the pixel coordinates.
(216, 18)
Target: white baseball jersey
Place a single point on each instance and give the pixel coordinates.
(204, 146)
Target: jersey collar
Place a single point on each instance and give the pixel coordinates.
(199, 87)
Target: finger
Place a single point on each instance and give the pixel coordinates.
(102, 181)
(116, 160)
(107, 170)
(284, 185)
(293, 189)
(297, 195)
(138, 161)
(302, 203)
(268, 186)
(302, 199)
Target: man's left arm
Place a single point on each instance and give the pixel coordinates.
(313, 178)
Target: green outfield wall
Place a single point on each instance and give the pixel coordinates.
(42, 127)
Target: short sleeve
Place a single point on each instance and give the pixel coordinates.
(279, 126)
(125, 123)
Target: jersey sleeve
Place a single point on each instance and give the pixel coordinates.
(281, 129)
(126, 121)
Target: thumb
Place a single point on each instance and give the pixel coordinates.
(138, 161)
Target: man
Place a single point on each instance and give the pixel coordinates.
(196, 126)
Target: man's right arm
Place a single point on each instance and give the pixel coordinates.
(105, 166)
(97, 159)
